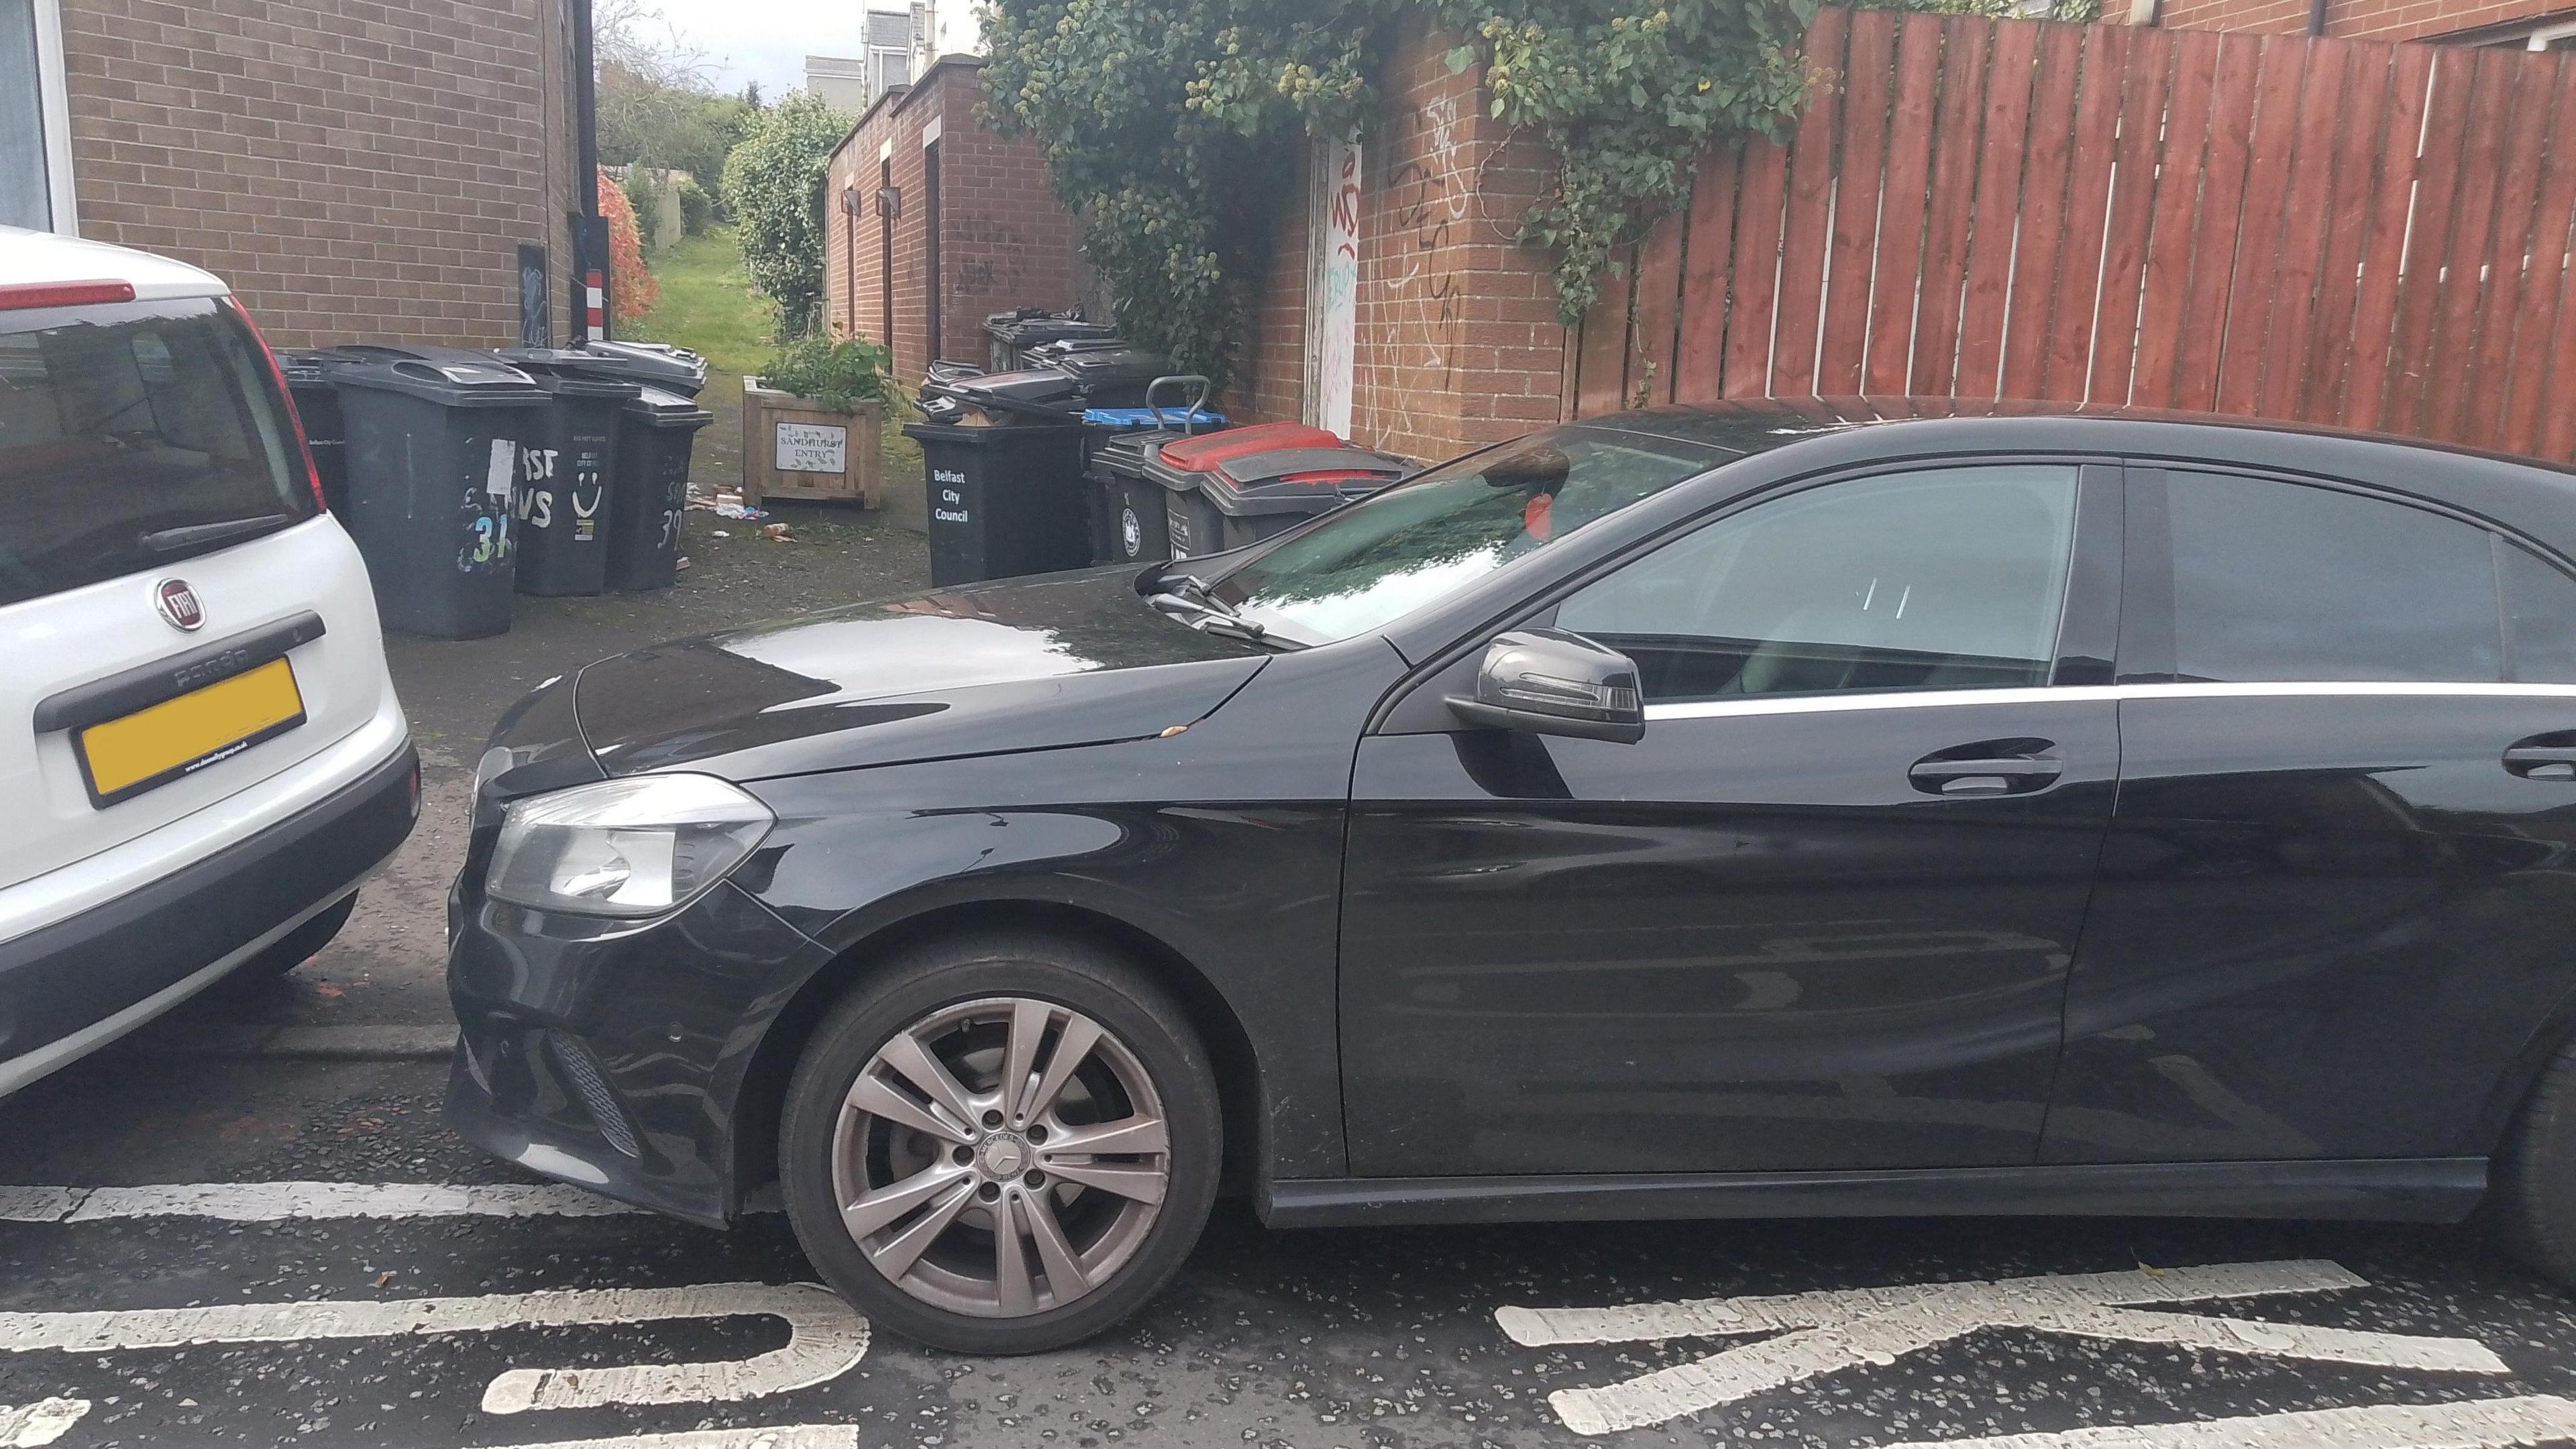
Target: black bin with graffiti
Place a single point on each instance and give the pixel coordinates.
(649, 488)
(565, 503)
(434, 438)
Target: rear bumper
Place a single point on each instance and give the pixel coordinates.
(78, 981)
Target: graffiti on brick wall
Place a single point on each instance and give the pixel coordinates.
(1429, 198)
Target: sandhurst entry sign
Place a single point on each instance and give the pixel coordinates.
(794, 447)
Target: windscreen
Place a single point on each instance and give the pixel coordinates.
(133, 436)
(1420, 541)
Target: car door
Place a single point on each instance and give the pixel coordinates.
(2340, 885)
(1819, 916)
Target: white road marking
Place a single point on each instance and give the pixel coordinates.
(38, 1204)
(791, 1436)
(41, 1422)
(270, 1202)
(1825, 1331)
(825, 1337)
(2524, 1423)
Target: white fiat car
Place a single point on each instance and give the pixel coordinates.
(201, 755)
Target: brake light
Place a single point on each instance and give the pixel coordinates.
(285, 398)
(18, 296)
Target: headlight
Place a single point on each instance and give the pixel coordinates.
(495, 760)
(639, 846)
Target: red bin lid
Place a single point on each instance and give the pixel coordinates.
(1199, 454)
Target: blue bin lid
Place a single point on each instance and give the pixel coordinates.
(1126, 419)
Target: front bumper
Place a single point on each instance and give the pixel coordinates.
(78, 981)
(615, 1056)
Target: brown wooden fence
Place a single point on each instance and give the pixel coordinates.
(2339, 231)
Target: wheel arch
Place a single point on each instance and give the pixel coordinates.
(1230, 1052)
(2554, 1033)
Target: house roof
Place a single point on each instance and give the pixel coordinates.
(889, 29)
(898, 97)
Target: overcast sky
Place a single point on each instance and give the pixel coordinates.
(765, 40)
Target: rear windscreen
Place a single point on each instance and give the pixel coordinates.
(133, 436)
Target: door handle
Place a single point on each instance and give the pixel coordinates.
(2543, 757)
(1988, 767)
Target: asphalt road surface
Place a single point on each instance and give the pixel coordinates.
(246, 1227)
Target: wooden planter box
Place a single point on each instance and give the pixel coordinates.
(794, 447)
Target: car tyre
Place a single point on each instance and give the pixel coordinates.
(299, 945)
(2532, 1201)
(858, 1162)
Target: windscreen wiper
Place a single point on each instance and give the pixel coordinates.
(171, 540)
(1186, 586)
(1207, 613)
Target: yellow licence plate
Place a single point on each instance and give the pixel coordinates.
(181, 736)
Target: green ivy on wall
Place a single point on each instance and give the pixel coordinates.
(1172, 125)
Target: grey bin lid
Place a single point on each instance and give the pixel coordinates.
(654, 364)
(461, 379)
(311, 368)
(1298, 480)
(565, 373)
(1110, 366)
(661, 408)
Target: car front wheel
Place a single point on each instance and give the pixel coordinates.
(1001, 1145)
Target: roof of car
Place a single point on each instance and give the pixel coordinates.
(1759, 425)
(42, 256)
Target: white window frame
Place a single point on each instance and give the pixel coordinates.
(55, 119)
(2539, 39)
(55, 104)
(898, 69)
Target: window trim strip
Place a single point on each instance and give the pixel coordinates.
(2076, 694)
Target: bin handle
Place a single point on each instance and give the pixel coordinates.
(1189, 418)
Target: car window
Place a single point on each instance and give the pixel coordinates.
(1378, 560)
(121, 427)
(2540, 618)
(1947, 578)
(2280, 581)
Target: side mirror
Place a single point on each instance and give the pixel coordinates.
(1550, 682)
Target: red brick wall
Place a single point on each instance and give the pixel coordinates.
(356, 170)
(1273, 384)
(1458, 339)
(2359, 19)
(1005, 241)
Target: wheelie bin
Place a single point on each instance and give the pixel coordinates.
(1126, 520)
(433, 453)
(1004, 501)
(656, 432)
(317, 407)
(1245, 497)
(1010, 334)
(652, 364)
(1166, 487)
(566, 502)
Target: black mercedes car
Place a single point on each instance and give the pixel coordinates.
(1761, 811)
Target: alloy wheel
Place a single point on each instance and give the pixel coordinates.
(1000, 1157)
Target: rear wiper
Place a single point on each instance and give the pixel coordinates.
(171, 540)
